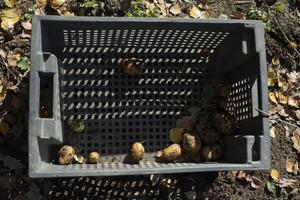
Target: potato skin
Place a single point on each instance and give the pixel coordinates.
(176, 135)
(137, 151)
(171, 153)
(66, 155)
(191, 144)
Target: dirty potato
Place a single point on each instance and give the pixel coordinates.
(209, 136)
(137, 151)
(191, 144)
(212, 152)
(176, 135)
(171, 153)
(131, 66)
(66, 155)
(94, 157)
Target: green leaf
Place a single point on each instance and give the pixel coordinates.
(271, 188)
(24, 63)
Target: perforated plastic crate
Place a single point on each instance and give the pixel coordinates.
(75, 73)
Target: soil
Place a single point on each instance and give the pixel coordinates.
(203, 185)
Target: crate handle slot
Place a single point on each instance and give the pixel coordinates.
(46, 95)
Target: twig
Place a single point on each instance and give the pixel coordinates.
(278, 119)
(242, 2)
(285, 36)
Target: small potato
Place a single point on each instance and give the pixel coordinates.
(171, 153)
(176, 135)
(66, 155)
(131, 66)
(137, 151)
(94, 157)
(212, 152)
(191, 144)
(209, 136)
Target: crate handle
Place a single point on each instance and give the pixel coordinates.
(46, 95)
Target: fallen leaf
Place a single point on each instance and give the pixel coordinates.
(272, 97)
(272, 79)
(291, 166)
(294, 77)
(294, 101)
(68, 14)
(26, 25)
(56, 3)
(4, 128)
(161, 4)
(274, 132)
(275, 61)
(241, 175)
(195, 12)
(294, 45)
(296, 139)
(274, 174)
(281, 81)
(14, 56)
(24, 63)
(286, 183)
(271, 187)
(283, 113)
(282, 98)
(42, 5)
(297, 114)
(255, 182)
(223, 16)
(175, 9)
(8, 18)
(10, 3)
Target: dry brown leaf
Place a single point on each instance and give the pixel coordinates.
(255, 182)
(286, 183)
(274, 174)
(161, 4)
(8, 18)
(291, 166)
(297, 114)
(14, 56)
(281, 82)
(294, 77)
(241, 175)
(272, 98)
(274, 132)
(195, 12)
(294, 101)
(175, 9)
(26, 25)
(296, 139)
(282, 98)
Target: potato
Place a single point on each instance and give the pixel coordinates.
(94, 157)
(209, 136)
(66, 155)
(171, 153)
(191, 144)
(212, 152)
(186, 123)
(131, 66)
(176, 135)
(137, 151)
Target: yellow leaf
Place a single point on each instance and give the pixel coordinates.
(294, 45)
(175, 9)
(281, 82)
(274, 174)
(283, 99)
(296, 139)
(274, 132)
(8, 18)
(291, 165)
(272, 97)
(294, 101)
(56, 3)
(10, 3)
(272, 79)
(195, 12)
(41, 3)
(275, 61)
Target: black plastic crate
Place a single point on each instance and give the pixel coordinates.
(75, 73)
